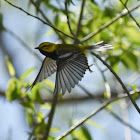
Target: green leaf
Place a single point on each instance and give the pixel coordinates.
(132, 34)
(30, 116)
(133, 86)
(136, 53)
(35, 94)
(1, 22)
(129, 60)
(10, 66)
(49, 83)
(40, 116)
(45, 106)
(54, 129)
(93, 1)
(70, 1)
(28, 103)
(114, 61)
(51, 138)
(56, 19)
(12, 92)
(25, 75)
(91, 122)
(14, 89)
(136, 96)
(49, 32)
(81, 134)
(86, 133)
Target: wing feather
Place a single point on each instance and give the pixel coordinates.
(70, 82)
(78, 68)
(75, 70)
(57, 84)
(70, 70)
(71, 77)
(63, 84)
(66, 81)
(48, 68)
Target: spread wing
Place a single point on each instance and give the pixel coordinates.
(71, 68)
(47, 69)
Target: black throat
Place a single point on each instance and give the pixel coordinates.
(52, 55)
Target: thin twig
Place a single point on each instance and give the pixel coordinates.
(66, 100)
(109, 23)
(80, 18)
(51, 115)
(41, 12)
(44, 16)
(103, 27)
(118, 78)
(68, 21)
(39, 19)
(109, 110)
(79, 123)
(124, 4)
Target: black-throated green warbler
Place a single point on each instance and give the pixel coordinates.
(69, 62)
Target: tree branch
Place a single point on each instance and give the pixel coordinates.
(68, 21)
(79, 123)
(118, 78)
(44, 16)
(39, 19)
(109, 23)
(109, 110)
(124, 4)
(51, 115)
(80, 18)
(109, 94)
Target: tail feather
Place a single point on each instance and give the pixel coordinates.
(101, 46)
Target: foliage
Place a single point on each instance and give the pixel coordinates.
(123, 34)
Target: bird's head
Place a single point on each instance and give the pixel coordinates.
(46, 46)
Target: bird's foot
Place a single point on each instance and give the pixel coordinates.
(89, 67)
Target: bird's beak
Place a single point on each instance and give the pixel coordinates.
(37, 48)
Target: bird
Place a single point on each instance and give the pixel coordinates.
(68, 61)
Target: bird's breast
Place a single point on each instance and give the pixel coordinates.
(52, 55)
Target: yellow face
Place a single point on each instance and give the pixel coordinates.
(47, 47)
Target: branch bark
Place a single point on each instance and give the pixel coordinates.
(88, 116)
(39, 19)
(47, 19)
(109, 110)
(80, 18)
(109, 23)
(118, 78)
(124, 4)
(51, 115)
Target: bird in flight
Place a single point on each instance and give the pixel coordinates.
(68, 61)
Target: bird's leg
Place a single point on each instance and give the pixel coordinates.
(89, 67)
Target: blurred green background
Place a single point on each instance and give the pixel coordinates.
(23, 115)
